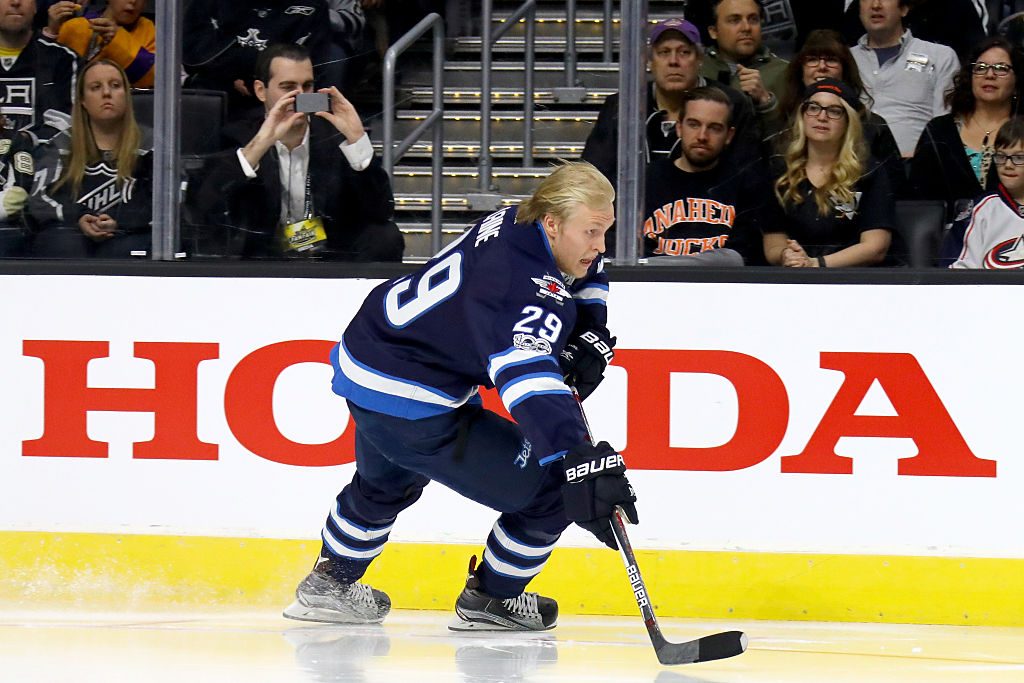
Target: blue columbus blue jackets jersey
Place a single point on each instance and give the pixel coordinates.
(491, 309)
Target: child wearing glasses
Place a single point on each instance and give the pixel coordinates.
(953, 159)
(992, 235)
(837, 200)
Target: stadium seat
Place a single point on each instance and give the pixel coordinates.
(920, 223)
(202, 116)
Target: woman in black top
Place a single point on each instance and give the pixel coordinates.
(824, 55)
(101, 202)
(953, 159)
(838, 204)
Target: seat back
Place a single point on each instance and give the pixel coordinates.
(920, 223)
(202, 117)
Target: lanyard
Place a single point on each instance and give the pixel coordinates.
(307, 204)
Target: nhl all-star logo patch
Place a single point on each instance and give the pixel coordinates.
(252, 39)
(527, 342)
(1007, 255)
(552, 288)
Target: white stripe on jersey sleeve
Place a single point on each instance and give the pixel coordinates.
(513, 356)
(517, 547)
(499, 566)
(592, 295)
(526, 386)
(371, 379)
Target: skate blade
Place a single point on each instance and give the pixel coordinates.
(460, 624)
(300, 612)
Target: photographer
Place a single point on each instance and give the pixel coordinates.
(299, 185)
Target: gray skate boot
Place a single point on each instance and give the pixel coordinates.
(321, 597)
(478, 611)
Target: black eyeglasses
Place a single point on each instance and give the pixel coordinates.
(1000, 158)
(834, 112)
(1001, 69)
(814, 60)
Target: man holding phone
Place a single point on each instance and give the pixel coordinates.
(306, 181)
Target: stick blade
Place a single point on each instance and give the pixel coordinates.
(708, 648)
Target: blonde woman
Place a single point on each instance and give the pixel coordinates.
(101, 202)
(837, 201)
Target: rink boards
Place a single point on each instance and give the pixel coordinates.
(845, 452)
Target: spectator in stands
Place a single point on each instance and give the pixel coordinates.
(674, 58)
(740, 59)
(960, 24)
(991, 236)
(295, 186)
(223, 38)
(838, 205)
(825, 56)
(119, 33)
(101, 202)
(698, 209)
(905, 76)
(16, 173)
(37, 76)
(347, 27)
(953, 160)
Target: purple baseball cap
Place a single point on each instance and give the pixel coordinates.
(681, 26)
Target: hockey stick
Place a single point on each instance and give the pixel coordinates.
(704, 649)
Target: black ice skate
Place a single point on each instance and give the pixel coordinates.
(321, 597)
(478, 611)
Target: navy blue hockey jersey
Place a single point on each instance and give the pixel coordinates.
(491, 309)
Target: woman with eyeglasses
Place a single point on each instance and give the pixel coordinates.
(991, 236)
(824, 55)
(837, 201)
(953, 159)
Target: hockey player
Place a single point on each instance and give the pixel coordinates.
(518, 303)
(991, 235)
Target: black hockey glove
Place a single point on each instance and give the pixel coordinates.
(584, 359)
(595, 484)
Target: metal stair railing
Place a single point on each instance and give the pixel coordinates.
(434, 121)
(490, 36)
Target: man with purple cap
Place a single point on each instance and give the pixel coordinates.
(674, 56)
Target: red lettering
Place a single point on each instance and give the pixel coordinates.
(921, 416)
(68, 399)
(763, 410)
(249, 406)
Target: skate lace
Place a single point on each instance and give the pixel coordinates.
(363, 594)
(525, 604)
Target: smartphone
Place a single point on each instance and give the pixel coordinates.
(308, 103)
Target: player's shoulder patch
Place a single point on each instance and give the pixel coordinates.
(551, 287)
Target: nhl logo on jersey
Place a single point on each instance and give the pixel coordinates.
(527, 342)
(551, 287)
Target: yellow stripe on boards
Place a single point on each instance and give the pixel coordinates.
(115, 572)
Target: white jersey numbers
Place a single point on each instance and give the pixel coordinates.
(435, 286)
(549, 330)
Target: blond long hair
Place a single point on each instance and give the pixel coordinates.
(847, 170)
(571, 184)
(84, 150)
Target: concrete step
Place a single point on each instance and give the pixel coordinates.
(592, 97)
(546, 74)
(450, 203)
(470, 149)
(415, 180)
(548, 126)
(585, 45)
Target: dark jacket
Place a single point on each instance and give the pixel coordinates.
(601, 148)
(940, 168)
(356, 206)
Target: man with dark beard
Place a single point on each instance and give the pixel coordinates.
(701, 211)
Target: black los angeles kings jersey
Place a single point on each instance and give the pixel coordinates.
(38, 86)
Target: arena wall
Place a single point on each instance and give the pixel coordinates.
(828, 452)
